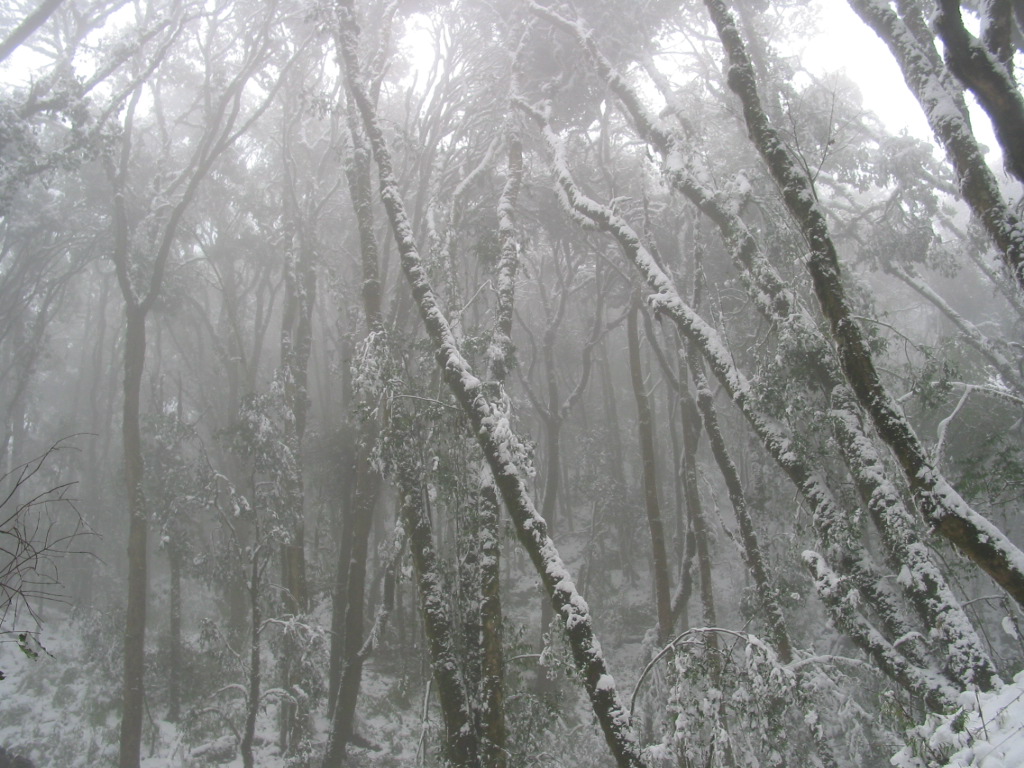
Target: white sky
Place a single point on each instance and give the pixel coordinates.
(847, 43)
(844, 43)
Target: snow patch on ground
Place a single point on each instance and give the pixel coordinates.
(987, 731)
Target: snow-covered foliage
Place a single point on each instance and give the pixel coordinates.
(730, 701)
(985, 731)
(444, 346)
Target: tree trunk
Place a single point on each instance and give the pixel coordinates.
(340, 594)
(174, 671)
(548, 510)
(493, 732)
(493, 753)
(774, 299)
(941, 506)
(252, 699)
(978, 184)
(358, 535)
(652, 505)
(486, 418)
(359, 524)
(132, 692)
(296, 342)
(752, 555)
(28, 25)
(988, 77)
(460, 743)
(701, 533)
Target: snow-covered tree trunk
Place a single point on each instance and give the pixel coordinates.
(990, 80)
(489, 418)
(829, 520)
(929, 83)
(941, 505)
(753, 554)
(493, 731)
(460, 743)
(778, 304)
(698, 516)
(841, 598)
(500, 357)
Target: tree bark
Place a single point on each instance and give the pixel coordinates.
(701, 532)
(28, 25)
(460, 742)
(779, 305)
(989, 80)
(652, 505)
(359, 523)
(840, 597)
(493, 735)
(138, 526)
(941, 505)
(352, 606)
(501, 357)
(753, 555)
(828, 518)
(489, 420)
(978, 185)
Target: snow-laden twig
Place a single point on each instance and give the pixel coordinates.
(940, 431)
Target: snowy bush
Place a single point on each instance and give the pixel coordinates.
(986, 730)
(732, 702)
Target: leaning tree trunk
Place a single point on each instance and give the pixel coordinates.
(941, 505)
(501, 447)
(929, 594)
(990, 80)
(926, 80)
(28, 25)
(753, 554)
(828, 518)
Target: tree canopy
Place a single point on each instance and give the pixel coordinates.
(492, 383)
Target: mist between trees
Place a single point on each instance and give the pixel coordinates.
(513, 383)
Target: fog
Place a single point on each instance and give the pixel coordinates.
(507, 384)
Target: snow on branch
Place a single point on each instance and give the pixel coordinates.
(491, 426)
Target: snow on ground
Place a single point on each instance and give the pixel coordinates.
(986, 732)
